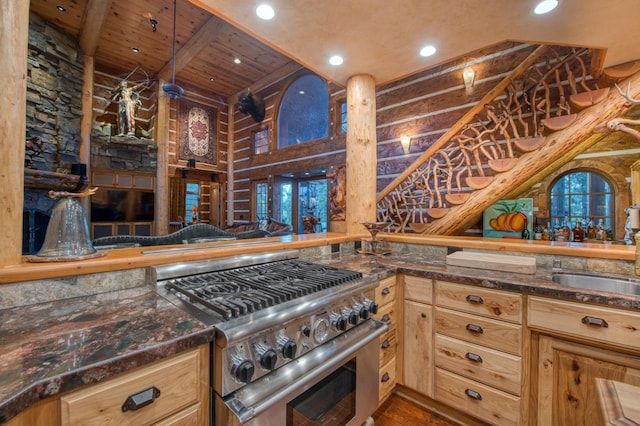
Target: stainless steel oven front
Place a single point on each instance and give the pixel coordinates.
(334, 384)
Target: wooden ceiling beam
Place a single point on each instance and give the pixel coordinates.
(277, 75)
(200, 40)
(93, 19)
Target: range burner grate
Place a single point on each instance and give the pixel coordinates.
(239, 291)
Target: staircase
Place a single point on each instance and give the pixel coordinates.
(544, 112)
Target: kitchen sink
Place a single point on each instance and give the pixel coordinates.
(597, 282)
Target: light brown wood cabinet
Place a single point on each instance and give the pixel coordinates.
(385, 297)
(181, 386)
(478, 351)
(418, 335)
(579, 343)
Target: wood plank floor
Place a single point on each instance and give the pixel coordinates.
(397, 411)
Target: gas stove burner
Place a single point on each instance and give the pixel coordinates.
(234, 292)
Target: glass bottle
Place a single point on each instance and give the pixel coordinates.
(546, 232)
(557, 234)
(578, 233)
(591, 230)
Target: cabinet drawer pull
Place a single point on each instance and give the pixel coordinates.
(385, 291)
(140, 399)
(595, 321)
(473, 394)
(385, 344)
(385, 318)
(471, 298)
(473, 357)
(385, 378)
(474, 328)
(423, 314)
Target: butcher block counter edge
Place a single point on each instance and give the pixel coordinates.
(129, 258)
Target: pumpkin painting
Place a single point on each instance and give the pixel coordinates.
(508, 218)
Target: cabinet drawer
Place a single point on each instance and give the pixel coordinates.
(481, 331)
(418, 289)
(600, 324)
(387, 379)
(387, 314)
(188, 417)
(386, 291)
(388, 344)
(476, 399)
(484, 365)
(101, 404)
(480, 301)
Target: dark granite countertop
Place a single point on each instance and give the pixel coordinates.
(54, 347)
(50, 348)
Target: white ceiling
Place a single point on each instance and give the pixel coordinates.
(383, 37)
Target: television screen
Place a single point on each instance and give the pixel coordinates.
(114, 205)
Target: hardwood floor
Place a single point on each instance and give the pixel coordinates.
(397, 411)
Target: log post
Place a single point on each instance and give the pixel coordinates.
(361, 153)
(161, 206)
(14, 37)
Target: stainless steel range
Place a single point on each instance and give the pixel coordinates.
(294, 339)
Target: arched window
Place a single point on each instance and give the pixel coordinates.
(304, 112)
(582, 196)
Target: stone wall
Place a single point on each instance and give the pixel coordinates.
(54, 109)
(54, 96)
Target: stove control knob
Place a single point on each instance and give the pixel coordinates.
(268, 359)
(371, 305)
(352, 316)
(363, 312)
(339, 322)
(305, 330)
(243, 371)
(289, 349)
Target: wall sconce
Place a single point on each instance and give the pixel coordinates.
(468, 75)
(406, 143)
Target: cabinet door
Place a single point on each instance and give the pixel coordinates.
(418, 347)
(568, 394)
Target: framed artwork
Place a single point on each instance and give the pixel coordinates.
(509, 219)
(197, 132)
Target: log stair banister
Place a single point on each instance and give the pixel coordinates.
(464, 120)
(559, 147)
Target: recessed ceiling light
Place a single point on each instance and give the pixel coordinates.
(545, 6)
(427, 51)
(266, 12)
(135, 50)
(61, 8)
(237, 61)
(336, 60)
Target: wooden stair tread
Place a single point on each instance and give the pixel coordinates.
(622, 71)
(418, 227)
(529, 144)
(500, 165)
(479, 182)
(457, 198)
(560, 122)
(590, 98)
(437, 212)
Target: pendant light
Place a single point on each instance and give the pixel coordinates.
(173, 90)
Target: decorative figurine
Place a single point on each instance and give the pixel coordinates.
(128, 102)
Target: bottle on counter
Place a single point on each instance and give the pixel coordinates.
(546, 232)
(600, 231)
(591, 230)
(565, 231)
(557, 234)
(578, 233)
(537, 235)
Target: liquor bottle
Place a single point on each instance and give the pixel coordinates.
(566, 231)
(546, 232)
(600, 230)
(578, 233)
(557, 234)
(591, 230)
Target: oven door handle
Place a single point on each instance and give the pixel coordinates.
(262, 394)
